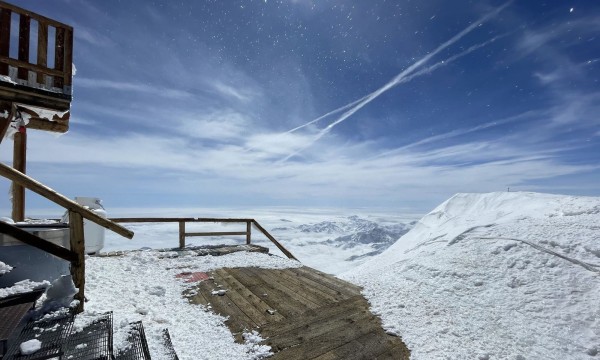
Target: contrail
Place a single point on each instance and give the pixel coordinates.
(398, 78)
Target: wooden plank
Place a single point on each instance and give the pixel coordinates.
(5, 20)
(258, 317)
(217, 233)
(263, 305)
(177, 219)
(328, 280)
(248, 232)
(38, 17)
(23, 54)
(307, 300)
(19, 164)
(319, 337)
(42, 51)
(237, 321)
(78, 247)
(334, 294)
(29, 66)
(8, 108)
(181, 234)
(68, 78)
(47, 125)
(321, 314)
(367, 346)
(59, 57)
(61, 200)
(270, 237)
(35, 97)
(398, 352)
(37, 242)
(287, 306)
(316, 289)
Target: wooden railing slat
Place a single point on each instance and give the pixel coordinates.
(32, 67)
(61, 200)
(59, 56)
(38, 17)
(270, 237)
(78, 247)
(5, 20)
(68, 57)
(24, 34)
(42, 51)
(35, 241)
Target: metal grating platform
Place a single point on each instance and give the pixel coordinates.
(168, 346)
(50, 331)
(138, 347)
(94, 342)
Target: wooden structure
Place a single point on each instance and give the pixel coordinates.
(300, 312)
(183, 234)
(76, 254)
(35, 93)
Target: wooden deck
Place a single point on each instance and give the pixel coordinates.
(301, 313)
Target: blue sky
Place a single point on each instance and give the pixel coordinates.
(193, 103)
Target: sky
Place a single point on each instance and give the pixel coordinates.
(306, 103)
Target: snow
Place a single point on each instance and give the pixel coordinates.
(493, 276)
(4, 268)
(142, 285)
(30, 346)
(23, 287)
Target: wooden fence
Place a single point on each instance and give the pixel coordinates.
(183, 234)
(36, 73)
(76, 254)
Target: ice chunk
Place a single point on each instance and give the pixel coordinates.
(30, 346)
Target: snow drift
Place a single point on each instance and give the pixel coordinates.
(493, 276)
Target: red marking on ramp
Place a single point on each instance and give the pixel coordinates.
(192, 276)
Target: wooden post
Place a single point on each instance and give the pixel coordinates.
(182, 234)
(19, 164)
(24, 34)
(5, 20)
(78, 247)
(42, 51)
(248, 232)
(6, 107)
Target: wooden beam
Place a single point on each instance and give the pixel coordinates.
(217, 233)
(61, 200)
(35, 97)
(5, 20)
(78, 247)
(59, 57)
(248, 232)
(38, 17)
(5, 107)
(182, 234)
(19, 164)
(47, 125)
(24, 34)
(42, 51)
(37, 242)
(32, 67)
(176, 219)
(68, 69)
(270, 237)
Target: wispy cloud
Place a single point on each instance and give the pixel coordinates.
(135, 87)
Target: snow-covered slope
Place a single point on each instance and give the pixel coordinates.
(493, 276)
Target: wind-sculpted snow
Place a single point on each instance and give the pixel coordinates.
(493, 276)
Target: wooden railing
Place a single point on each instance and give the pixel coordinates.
(36, 73)
(76, 255)
(183, 234)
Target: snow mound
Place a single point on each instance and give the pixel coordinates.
(493, 276)
(4, 268)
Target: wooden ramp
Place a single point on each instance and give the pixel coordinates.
(301, 313)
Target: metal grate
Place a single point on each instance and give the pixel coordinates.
(138, 347)
(168, 346)
(51, 331)
(94, 342)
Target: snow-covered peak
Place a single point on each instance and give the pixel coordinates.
(466, 211)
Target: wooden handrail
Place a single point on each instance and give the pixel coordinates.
(48, 193)
(183, 234)
(33, 15)
(37, 242)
